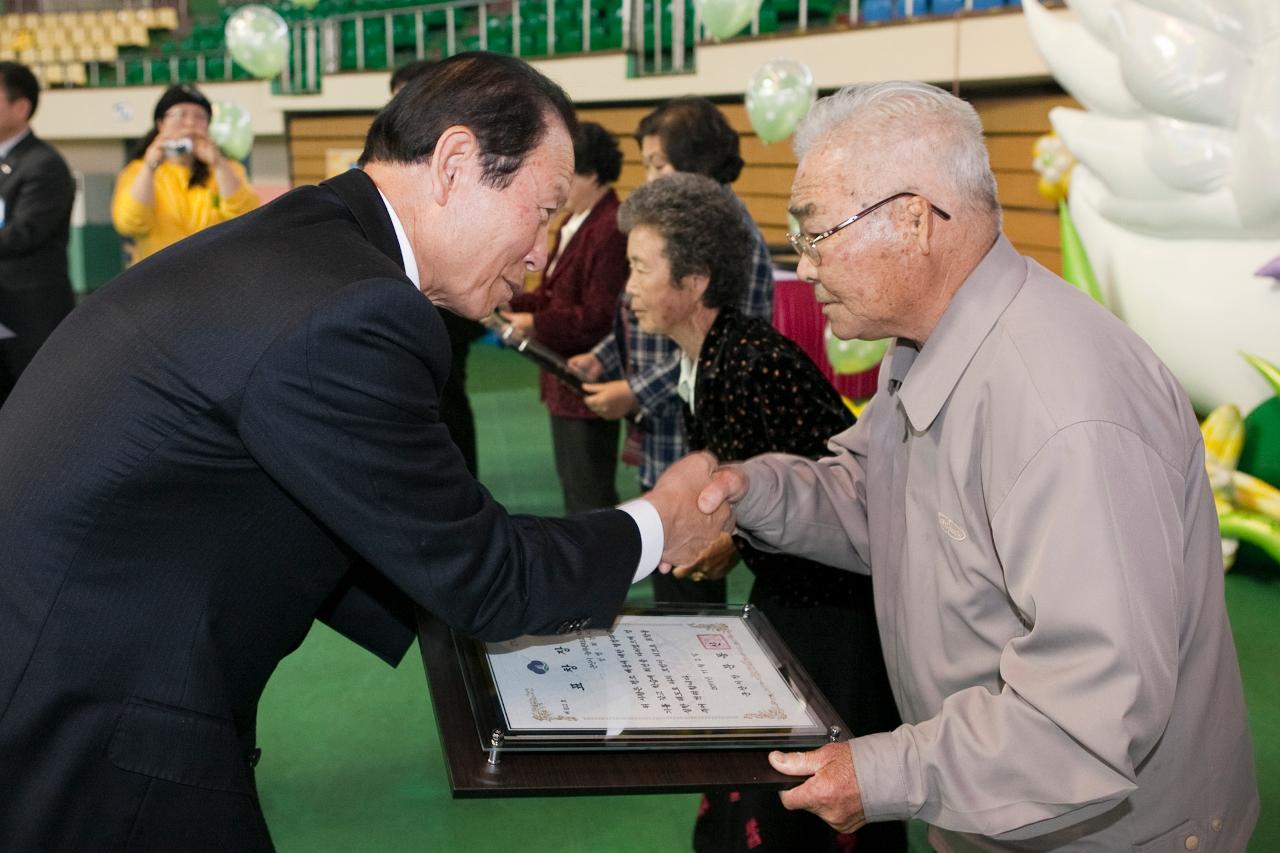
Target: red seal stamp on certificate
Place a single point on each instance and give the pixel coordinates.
(715, 642)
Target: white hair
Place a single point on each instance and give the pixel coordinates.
(919, 122)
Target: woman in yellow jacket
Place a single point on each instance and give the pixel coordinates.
(177, 181)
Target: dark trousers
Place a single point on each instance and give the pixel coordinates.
(31, 313)
(586, 453)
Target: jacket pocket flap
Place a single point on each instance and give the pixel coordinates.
(180, 746)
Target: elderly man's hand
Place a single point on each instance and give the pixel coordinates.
(687, 533)
(831, 791)
(609, 400)
(727, 485)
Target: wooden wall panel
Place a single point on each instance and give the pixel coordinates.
(1013, 122)
(311, 137)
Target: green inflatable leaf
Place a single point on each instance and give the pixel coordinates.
(1269, 371)
(1254, 528)
(1076, 268)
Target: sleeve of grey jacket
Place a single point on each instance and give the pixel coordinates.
(1090, 543)
(814, 509)
(342, 412)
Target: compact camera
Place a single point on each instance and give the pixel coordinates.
(177, 147)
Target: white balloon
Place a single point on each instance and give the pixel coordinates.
(1195, 301)
(1227, 18)
(1191, 157)
(1083, 65)
(1256, 181)
(1112, 148)
(1096, 17)
(1179, 69)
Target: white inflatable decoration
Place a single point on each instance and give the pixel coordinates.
(1177, 193)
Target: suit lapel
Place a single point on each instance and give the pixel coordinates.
(361, 196)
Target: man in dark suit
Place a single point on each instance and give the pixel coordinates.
(240, 435)
(455, 405)
(36, 193)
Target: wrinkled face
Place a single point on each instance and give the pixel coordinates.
(582, 191)
(659, 305)
(502, 233)
(13, 115)
(865, 282)
(654, 159)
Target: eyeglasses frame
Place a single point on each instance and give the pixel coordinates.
(808, 246)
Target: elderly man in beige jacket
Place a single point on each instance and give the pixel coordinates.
(1027, 490)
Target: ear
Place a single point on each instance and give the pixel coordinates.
(454, 161)
(920, 221)
(696, 283)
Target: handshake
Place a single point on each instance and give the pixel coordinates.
(692, 498)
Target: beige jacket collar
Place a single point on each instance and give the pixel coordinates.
(924, 379)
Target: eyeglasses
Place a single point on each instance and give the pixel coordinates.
(179, 114)
(808, 246)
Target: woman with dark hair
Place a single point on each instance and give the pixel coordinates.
(748, 390)
(683, 135)
(177, 181)
(573, 310)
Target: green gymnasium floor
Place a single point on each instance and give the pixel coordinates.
(350, 757)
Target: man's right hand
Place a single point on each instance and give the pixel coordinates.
(587, 366)
(687, 533)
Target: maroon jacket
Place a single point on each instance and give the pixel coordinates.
(574, 307)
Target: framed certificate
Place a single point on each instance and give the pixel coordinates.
(689, 678)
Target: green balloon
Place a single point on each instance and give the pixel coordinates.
(853, 356)
(726, 18)
(778, 96)
(1260, 456)
(305, 4)
(232, 129)
(258, 39)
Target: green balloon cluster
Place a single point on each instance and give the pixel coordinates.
(854, 356)
(232, 129)
(726, 18)
(778, 96)
(258, 39)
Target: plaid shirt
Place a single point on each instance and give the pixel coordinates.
(653, 364)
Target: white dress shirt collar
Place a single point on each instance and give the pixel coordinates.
(406, 250)
(688, 380)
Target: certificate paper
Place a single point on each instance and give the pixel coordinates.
(651, 672)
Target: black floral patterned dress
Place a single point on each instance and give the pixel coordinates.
(758, 392)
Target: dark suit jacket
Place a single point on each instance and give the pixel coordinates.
(35, 292)
(228, 440)
(574, 307)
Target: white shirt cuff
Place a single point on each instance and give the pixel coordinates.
(651, 536)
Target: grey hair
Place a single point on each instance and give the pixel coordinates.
(908, 117)
(702, 224)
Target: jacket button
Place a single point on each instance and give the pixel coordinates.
(1192, 842)
(1216, 824)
